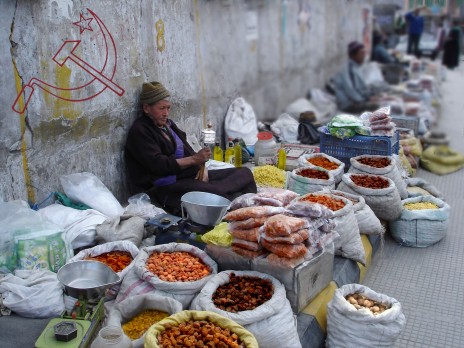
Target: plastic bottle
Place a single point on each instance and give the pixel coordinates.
(218, 154)
(230, 152)
(265, 149)
(281, 158)
(111, 336)
(237, 155)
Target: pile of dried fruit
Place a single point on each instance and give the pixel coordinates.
(313, 173)
(323, 162)
(360, 301)
(117, 260)
(331, 203)
(139, 324)
(198, 334)
(242, 293)
(370, 181)
(376, 162)
(178, 266)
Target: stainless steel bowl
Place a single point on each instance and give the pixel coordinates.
(204, 208)
(87, 279)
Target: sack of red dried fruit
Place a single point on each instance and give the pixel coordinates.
(379, 165)
(255, 300)
(379, 192)
(305, 180)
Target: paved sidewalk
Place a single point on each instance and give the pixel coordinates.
(429, 282)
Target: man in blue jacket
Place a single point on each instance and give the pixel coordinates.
(416, 27)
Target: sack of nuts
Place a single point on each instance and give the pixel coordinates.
(255, 300)
(362, 325)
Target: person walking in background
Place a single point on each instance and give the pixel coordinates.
(452, 47)
(415, 28)
(440, 36)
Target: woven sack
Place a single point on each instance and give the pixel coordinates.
(385, 203)
(337, 173)
(391, 171)
(421, 228)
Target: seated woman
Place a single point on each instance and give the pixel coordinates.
(160, 162)
(351, 91)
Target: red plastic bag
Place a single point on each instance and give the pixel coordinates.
(252, 212)
(252, 246)
(251, 234)
(285, 250)
(293, 238)
(283, 225)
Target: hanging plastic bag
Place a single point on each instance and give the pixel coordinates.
(87, 188)
(240, 122)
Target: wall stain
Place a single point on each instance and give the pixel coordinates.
(63, 107)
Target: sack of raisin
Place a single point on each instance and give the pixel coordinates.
(255, 300)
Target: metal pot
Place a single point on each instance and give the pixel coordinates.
(87, 279)
(204, 208)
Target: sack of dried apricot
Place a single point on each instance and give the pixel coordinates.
(322, 160)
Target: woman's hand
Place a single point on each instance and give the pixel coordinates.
(202, 156)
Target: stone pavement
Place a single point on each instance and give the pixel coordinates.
(429, 282)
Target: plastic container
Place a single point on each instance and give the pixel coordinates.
(218, 154)
(265, 149)
(344, 149)
(111, 336)
(229, 156)
(282, 159)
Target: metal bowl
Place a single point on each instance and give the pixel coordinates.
(87, 279)
(204, 208)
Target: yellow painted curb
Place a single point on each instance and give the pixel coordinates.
(368, 250)
(318, 306)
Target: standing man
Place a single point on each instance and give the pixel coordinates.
(416, 27)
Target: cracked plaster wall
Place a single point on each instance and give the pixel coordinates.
(212, 54)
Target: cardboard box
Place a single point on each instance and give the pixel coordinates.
(303, 282)
(294, 151)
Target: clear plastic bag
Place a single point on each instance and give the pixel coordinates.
(252, 212)
(306, 209)
(282, 195)
(247, 253)
(283, 225)
(251, 234)
(140, 205)
(252, 246)
(285, 250)
(293, 238)
(252, 200)
(247, 224)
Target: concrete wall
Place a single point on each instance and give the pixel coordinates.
(206, 52)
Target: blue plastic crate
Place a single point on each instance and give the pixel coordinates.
(344, 149)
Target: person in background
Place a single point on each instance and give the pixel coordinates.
(379, 52)
(452, 47)
(161, 163)
(440, 37)
(416, 27)
(352, 93)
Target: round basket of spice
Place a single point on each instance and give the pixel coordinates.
(305, 180)
(255, 300)
(197, 329)
(324, 161)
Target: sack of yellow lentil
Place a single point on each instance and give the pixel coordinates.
(138, 313)
(423, 222)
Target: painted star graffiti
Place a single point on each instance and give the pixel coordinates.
(84, 23)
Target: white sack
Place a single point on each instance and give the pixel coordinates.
(286, 128)
(32, 294)
(302, 185)
(240, 122)
(272, 323)
(129, 308)
(385, 203)
(350, 327)
(337, 173)
(391, 171)
(88, 189)
(78, 225)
